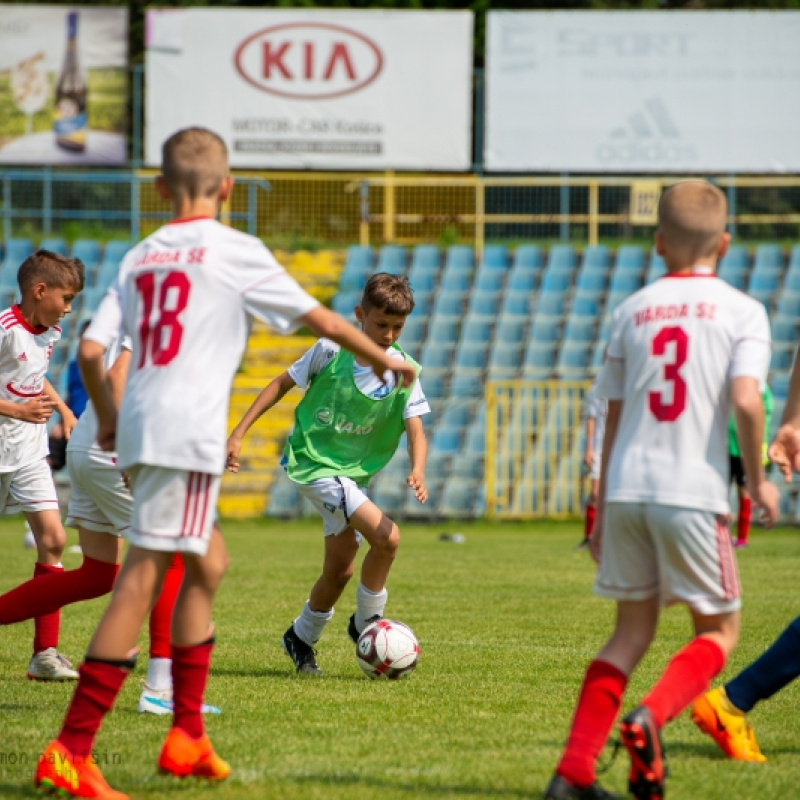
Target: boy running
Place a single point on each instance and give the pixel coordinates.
(347, 428)
(185, 296)
(682, 352)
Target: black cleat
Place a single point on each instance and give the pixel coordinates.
(352, 631)
(561, 789)
(583, 543)
(301, 653)
(643, 743)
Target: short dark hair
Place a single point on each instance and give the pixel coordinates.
(194, 162)
(389, 293)
(51, 269)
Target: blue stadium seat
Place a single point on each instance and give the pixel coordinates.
(449, 303)
(517, 303)
(555, 281)
(392, 259)
(495, 258)
(487, 303)
(580, 329)
(413, 509)
(789, 304)
(388, 494)
(598, 355)
(550, 303)
(55, 244)
(505, 360)
(784, 329)
(413, 334)
(561, 258)
(592, 280)
(357, 268)
(436, 355)
(528, 257)
(457, 413)
(458, 498)
(572, 359)
(460, 258)
(769, 257)
(735, 276)
(794, 258)
(434, 385)
(444, 330)
(510, 328)
(113, 254)
(476, 329)
(438, 463)
(782, 357)
(540, 360)
(489, 280)
(791, 282)
(456, 281)
(629, 282)
(545, 329)
(780, 385)
(17, 250)
(736, 258)
(467, 384)
(423, 303)
(88, 251)
(613, 299)
(584, 305)
(344, 302)
(596, 257)
(630, 258)
(284, 499)
(522, 281)
(764, 296)
(656, 269)
(475, 440)
(605, 327)
(763, 282)
(472, 357)
(423, 278)
(426, 256)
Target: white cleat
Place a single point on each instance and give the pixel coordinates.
(152, 701)
(48, 665)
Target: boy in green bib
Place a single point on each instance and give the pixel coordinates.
(347, 428)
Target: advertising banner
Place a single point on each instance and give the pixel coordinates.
(63, 84)
(674, 91)
(292, 88)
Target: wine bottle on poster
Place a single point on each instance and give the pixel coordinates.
(70, 122)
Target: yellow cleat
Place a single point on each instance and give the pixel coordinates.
(183, 756)
(61, 772)
(715, 715)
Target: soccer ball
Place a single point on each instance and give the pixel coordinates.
(387, 649)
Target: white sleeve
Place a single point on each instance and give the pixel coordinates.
(752, 348)
(611, 380)
(417, 403)
(312, 362)
(107, 320)
(275, 297)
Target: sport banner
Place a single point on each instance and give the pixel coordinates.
(292, 88)
(63, 84)
(674, 91)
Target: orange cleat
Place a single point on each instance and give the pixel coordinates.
(182, 755)
(59, 771)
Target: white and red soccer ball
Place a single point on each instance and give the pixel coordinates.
(387, 649)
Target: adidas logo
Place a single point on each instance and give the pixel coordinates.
(649, 137)
(22, 357)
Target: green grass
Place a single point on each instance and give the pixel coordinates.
(506, 622)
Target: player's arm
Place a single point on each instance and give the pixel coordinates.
(37, 410)
(748, 407)
(610, 435)
(68, 419)
(418, 453)
(324, 322)
(91, 357)
(117, 376)
(269, 396)
(588, 456)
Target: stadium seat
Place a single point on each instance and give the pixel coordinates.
(456, 281)
(457, 413)
(434, 385)
(16, 251)
(475, 439)
(476, 329)
(598, 355)
(468, 464)
(540, 360)
(467, 384)
(489, 280)
(791, 282)
(555, 281)
(113, 254)
(436, 355)
(580, 329)
(460, 258)
(357, 268)
(657, 267)
(423, 304)
(438, 462)
(449, 303)
(423, 278)
(510, 329)
(784, 329)
(550, 304)
(413, 509)
(763, 295)
(527, 257)
(768, 257)
(284, 499)
(630, 259)
(426, 256)
(782, 357)
(522, 281)
(517, 303)
(780, 385)
(413, 334)
(484, 302)
(763, 282)
(55, 244)
(458, 498)
(495, 258)
(605, 327)
(585, 306)
(613, 299)
(596, 257)
(472, 357)
(505, 360)
(88, 251)
(388, 494)
(444, 330)
(345, 301)
(789, 304)
(446, 440)
(545, 329)
(629, 282)
(561, 258)
(592, 280)
(572, 359)
(392, 259)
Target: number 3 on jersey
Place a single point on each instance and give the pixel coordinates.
(160, 338)
(661, 410)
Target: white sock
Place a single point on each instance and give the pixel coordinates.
(159, 674)
(310, 624)
(368, 604)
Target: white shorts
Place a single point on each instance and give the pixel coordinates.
(99, 500)
(29, 488)
(336, 499)
(597, 460)
(681, 555)
(173, 510)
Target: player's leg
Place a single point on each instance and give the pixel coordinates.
(187, 749)
(66, 764)
(590, 512)
(744, 518)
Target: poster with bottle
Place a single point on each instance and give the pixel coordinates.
(63, 85)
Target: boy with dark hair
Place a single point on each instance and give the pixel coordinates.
(48, 283)
(185, 295)
(347, 427)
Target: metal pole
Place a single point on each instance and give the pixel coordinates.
(251, 208)
(363, 225)
(135, 220)
(47, 200)
(6, 208)
(137, 111)
(564, 208)
(732, 206)
(478, 122)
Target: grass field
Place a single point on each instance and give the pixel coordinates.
(506, 622)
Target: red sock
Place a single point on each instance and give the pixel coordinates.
(161, 615)
(598, 704)
(588, 522)
(686, 677)
(97, 689)
(190, 667)
(56, 588)
(743, 524)
(46, 626)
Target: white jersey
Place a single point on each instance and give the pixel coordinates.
(314, 360)
(84, 434)
(674, 349)
(597, 409)
(185, 295)
(24, 359)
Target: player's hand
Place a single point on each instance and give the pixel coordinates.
(69, 421)
(785, 451)
(596, 539)
(405, 374)
(588, 457)
(234, 446)
(767, 499)
(107, 434)
(417, 483)
(37, 410)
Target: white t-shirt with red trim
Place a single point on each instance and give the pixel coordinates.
(24, 360)
(675, 347)
(186, 296)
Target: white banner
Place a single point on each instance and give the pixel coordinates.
(675, 91)
(295, 88)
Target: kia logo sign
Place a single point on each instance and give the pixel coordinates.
(308, 60)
